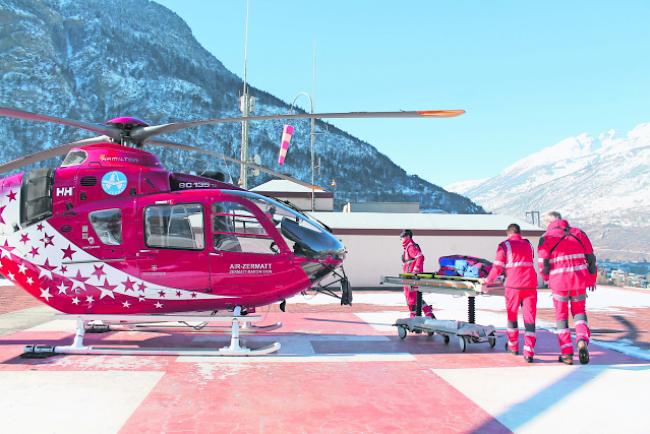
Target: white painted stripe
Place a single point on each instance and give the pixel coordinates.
(72, 401)
(536, 399)
(326, 358)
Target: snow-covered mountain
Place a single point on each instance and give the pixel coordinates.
(93, 60)
(600, 183)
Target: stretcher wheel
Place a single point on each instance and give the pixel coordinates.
(430, 334)
(446, 339)
(492, 341)
(401, 332)
(462, 343)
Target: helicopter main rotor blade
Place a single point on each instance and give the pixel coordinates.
(174, 145)
(107, 130)
(49, 153)
(139, 135)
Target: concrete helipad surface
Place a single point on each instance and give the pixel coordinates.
(340, 370)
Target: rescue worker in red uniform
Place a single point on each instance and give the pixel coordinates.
(567, 262)
(413, 262)
(515, 258)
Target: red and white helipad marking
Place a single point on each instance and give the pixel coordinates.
(338, 371)
(543, 399)
(71, 401)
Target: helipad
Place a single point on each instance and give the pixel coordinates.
(340, 370)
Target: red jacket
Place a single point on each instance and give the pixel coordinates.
(566, 257)
(412, 257)
(515, 257)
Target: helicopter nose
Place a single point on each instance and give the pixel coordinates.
(317, 270)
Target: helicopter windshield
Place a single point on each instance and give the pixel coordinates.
(306, 236)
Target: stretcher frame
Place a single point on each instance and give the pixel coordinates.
(430, 283)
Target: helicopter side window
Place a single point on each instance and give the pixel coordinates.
(236, 229)
(107, 224)
(174, 226)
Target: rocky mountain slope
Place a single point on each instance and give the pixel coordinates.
(96, 59)
(600, 183)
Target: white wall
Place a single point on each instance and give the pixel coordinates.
(322, 203)
(371, 256)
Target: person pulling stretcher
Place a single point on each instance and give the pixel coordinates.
(413, 262)
(515, 258)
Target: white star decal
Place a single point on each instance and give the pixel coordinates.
(141, 298)
(158, 305)
(5, 253)
(22, 268)
(11, 276)
(62, 288)
(90, 299)
(126, 304)
(75, 301)
(30, 280)
(45, 293)
(106, 292)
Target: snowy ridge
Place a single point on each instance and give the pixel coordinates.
(98, 59)
(601, 183)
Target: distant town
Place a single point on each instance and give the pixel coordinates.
(634, 274)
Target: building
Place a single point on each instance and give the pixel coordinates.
(374, 248)
(387, 207)
(370, 232)
(297, 194)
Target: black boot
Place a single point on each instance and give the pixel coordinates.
(583, 352)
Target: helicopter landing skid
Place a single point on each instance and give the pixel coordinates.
(78, 347)
(246, 327)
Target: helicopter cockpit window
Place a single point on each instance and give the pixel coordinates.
(303, 234)
(107, 224)
(174, 226)
(74, 158)
(236, 229)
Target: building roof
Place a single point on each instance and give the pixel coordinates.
(421, 222)
(283, 185)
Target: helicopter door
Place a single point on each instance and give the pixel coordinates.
(174, 251)
(244, 258)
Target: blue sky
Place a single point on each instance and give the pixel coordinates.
(528, 74)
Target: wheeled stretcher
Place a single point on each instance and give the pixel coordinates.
(465, 332)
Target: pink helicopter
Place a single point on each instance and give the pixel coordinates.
(111, 234)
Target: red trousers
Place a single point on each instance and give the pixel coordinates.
(561, 300)
(411, 302)
(527, 299)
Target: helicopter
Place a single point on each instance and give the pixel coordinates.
(112, 232)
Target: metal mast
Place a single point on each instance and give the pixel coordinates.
(243, 175)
